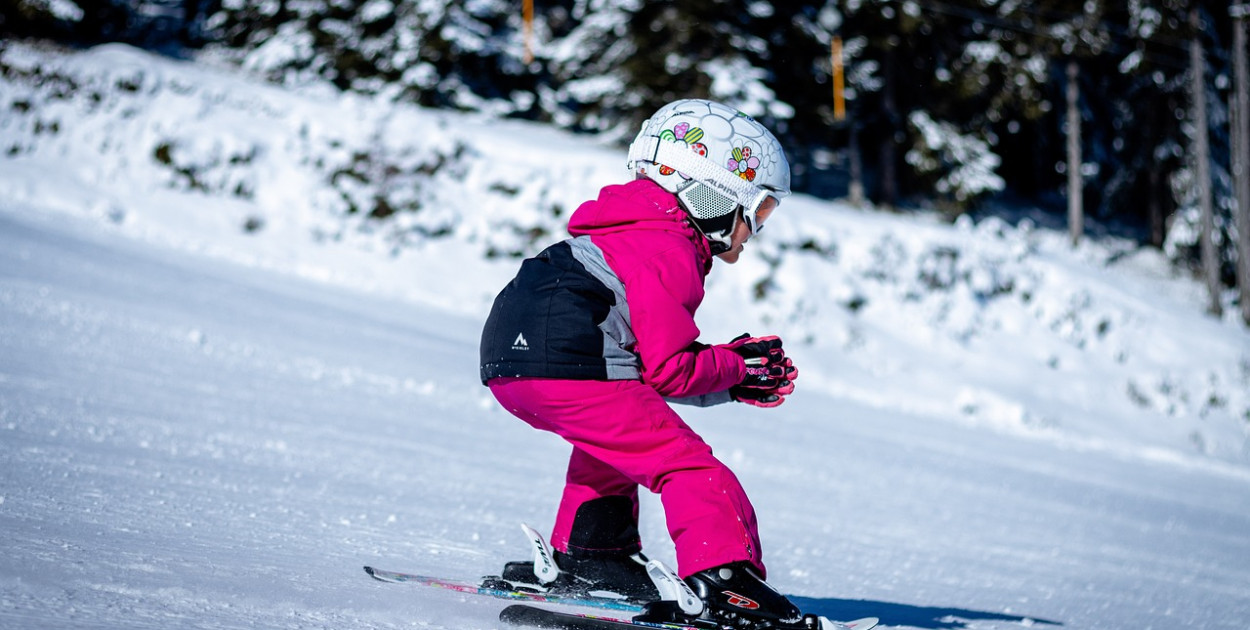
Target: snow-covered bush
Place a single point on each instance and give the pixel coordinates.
(465, 55)
(359, 165)
(961, 166)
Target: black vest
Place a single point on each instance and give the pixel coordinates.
(547, 321)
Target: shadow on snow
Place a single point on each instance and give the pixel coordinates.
(891, 614)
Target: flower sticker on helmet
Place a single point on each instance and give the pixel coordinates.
(682, 132)
(743, 163)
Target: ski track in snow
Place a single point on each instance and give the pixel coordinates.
(189, 443)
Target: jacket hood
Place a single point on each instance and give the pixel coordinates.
(638, 205)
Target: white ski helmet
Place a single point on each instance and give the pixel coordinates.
(715, 159)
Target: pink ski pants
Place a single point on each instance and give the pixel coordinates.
(625, 435)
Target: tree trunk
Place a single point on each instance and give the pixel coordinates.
(1241, 156)
(1155, 193)
(893, 123)
(1202, 166)
(1076, 209)
(1154, 203)
(856, 192)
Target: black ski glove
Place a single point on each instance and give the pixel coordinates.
(770, 373)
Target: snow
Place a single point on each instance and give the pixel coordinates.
(222, 392)
(735, 80)
(965, 165)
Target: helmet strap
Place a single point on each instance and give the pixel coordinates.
(717, 247)
(722, 242)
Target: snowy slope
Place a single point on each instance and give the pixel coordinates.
(189, 443)
(996, 325)
(210, 427)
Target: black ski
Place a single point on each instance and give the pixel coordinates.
(535, 617)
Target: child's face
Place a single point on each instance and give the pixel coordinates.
(742, 232)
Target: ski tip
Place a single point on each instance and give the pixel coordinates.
(373, 573)
(521, 615)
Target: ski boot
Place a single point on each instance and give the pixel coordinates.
(735, 595)
(730, 597)
(621, 575)
(624, 575)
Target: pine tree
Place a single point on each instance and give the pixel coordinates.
(955, 99)
(592, 90)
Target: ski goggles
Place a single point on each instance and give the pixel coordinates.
(756, 216)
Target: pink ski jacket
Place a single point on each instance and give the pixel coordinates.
(615, 301)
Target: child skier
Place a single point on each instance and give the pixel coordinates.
(596, 335)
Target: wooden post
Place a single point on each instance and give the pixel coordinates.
(839, 101)
(527, 16)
